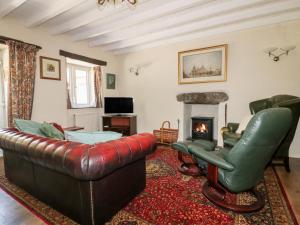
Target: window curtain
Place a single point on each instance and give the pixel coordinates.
(98, 87)
(3, 116)
(22, 66)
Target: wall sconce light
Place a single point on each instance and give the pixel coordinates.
(135, 70)
(284, 51)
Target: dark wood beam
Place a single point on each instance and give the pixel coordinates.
(82, 58)
(3, 39)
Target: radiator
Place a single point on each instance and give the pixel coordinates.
(90, 121)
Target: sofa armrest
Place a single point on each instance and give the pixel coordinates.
(210, 157)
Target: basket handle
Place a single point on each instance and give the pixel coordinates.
(166, 122)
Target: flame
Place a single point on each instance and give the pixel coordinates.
(202, 128)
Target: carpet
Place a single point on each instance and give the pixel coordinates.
(173, 198)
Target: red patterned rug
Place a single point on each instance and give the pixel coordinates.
(172, 198)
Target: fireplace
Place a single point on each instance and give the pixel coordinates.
(202, 128)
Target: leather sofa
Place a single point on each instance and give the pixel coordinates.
(87, 183)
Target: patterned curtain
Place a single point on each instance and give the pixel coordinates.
(98, 88)
(22, 65)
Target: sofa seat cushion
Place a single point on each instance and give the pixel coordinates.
(91, 137)
(29, 126)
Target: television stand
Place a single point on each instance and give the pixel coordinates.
(125, 124)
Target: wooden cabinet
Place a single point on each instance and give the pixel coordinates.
(121, 124)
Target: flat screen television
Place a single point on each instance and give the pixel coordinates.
(118, 105)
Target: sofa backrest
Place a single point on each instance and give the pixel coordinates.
(81, 161)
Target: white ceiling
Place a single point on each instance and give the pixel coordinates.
(121, 28)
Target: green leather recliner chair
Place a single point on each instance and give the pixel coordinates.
(242, 167)
(230, 137)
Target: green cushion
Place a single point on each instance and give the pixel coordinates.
(91, 137)
(29, 126)
(181, 146)
(230, 141)
(50, 131)
(211, 157)
(207, 145)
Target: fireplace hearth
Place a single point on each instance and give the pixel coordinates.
(202, 128)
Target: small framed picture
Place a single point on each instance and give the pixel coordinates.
(50, 68)
(203, 65)
(110, 81)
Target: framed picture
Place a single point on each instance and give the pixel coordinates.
(110, 81)
(203, 65)
(50, 68)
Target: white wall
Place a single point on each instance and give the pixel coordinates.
(252, 75)
(50, 96)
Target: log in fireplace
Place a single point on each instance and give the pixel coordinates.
(202, 128)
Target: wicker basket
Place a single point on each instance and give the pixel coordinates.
(166, 135)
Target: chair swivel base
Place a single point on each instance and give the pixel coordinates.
(189, 169)
(217, 197)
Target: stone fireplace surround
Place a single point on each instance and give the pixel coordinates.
(205, 104)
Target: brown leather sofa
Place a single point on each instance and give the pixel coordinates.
(88, 183)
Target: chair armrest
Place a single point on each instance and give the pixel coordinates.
(223, 130)
(233, 127)
(210, 157)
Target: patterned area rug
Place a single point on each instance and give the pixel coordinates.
(172, 198)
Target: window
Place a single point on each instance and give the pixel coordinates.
(81, 86)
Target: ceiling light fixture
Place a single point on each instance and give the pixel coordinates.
(102, 2)
(284, 51)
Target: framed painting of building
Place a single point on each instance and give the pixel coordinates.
(203, 65)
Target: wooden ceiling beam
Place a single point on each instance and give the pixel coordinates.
(176, 19)
(211, 22)
(244, 25)
(91, 13)
(51, 12)
(150, 10)
(7, 7)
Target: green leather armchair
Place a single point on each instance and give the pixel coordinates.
(233, 170)
(230, 137)
(286, 101)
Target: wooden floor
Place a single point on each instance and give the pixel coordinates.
(12, 213)
(291, 183)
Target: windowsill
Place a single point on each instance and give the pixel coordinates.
(91, 107)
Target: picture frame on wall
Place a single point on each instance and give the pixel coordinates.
(110, 81)
(50, 68)
(203, 65)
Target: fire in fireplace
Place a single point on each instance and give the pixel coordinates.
(202, 128)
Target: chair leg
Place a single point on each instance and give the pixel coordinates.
(286, 162)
